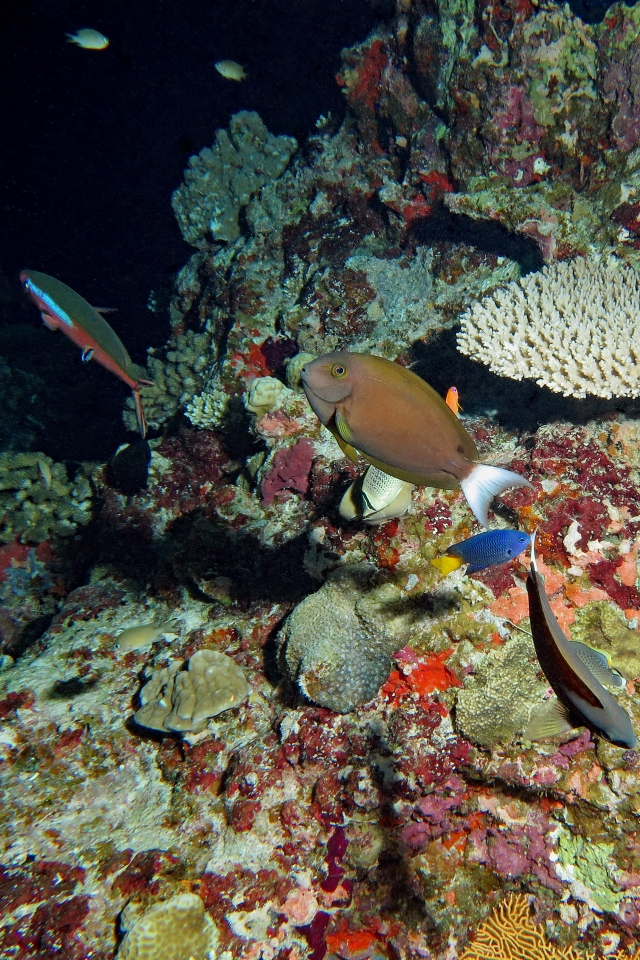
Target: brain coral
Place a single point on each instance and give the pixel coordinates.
(338, 658)
(572, 327)
(177, 929)
(181, 701)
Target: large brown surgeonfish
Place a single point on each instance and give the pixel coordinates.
(400, 425)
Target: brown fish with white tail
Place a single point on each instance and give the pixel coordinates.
(581, 698)
(400, 425)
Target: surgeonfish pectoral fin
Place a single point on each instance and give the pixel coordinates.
(547, 720)
(346, 448)
(486, 482)
(142, 423)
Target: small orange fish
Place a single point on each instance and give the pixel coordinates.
(452, 400)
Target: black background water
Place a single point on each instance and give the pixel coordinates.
(95, 142)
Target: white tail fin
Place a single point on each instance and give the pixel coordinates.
(484, 483)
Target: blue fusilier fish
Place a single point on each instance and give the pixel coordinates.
(484, 550)
(581, 700)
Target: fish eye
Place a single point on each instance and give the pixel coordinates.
(338, 370)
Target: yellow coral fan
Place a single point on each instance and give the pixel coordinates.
(510, 934)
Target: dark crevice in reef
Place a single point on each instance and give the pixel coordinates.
(592, 11)
(518, 405)
(486, 235)
(201, 549)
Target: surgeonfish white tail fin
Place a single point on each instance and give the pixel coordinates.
(486, 482)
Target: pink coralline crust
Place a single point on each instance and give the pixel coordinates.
(276, 351)
(86, 603)
(419, 765)
(278, 424)
(321, 738)
(315, 935)
(517, 850)
(142, 874)
(50, 932)
(604, 574)
(499, 579)
(329, 481)
(15, 701)
(522, 173)
(438, 517)
(507, 858)
(289, 471)
(621, 85)
(627, 215)
(195, 479)
(432, 816)
(518, 117)
(569, 750)
(247, 776)
(39, 881)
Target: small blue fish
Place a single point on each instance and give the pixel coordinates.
(490, 548)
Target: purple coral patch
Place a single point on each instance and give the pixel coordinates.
(289, 471)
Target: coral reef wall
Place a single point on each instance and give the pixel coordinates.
(343, 773)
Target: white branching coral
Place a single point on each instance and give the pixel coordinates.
(574, 327)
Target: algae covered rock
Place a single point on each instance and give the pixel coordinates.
(338, 657)
(497, 699)
(38, 501)
(220, 180)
